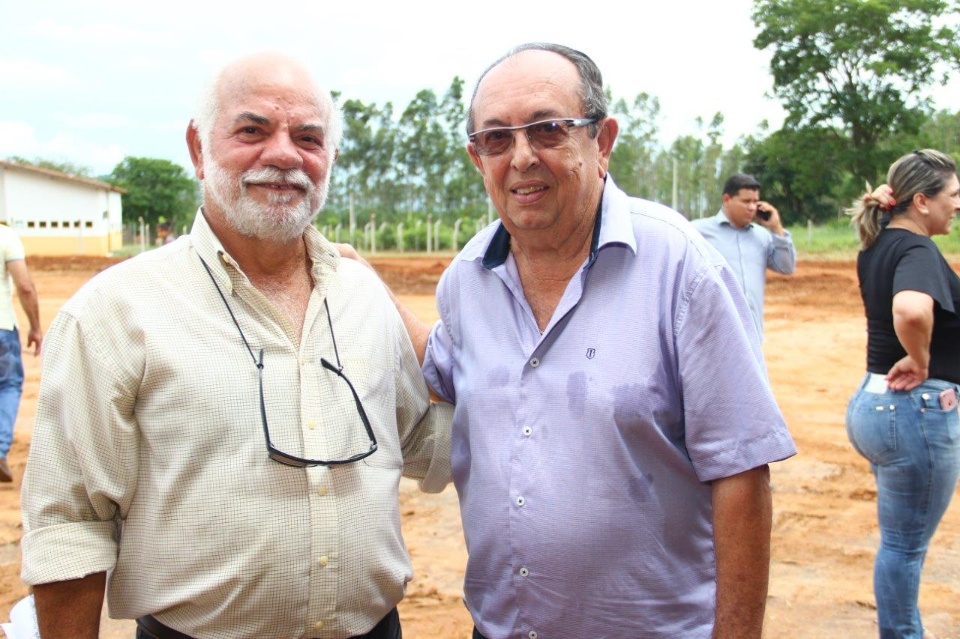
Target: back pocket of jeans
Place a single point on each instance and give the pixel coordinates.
(873, 429)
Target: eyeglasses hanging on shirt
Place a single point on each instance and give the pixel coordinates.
(273, 452)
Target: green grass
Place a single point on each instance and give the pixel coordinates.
(839, 240)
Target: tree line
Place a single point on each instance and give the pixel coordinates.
(853, 76)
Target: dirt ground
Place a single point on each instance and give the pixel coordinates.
(824, 531)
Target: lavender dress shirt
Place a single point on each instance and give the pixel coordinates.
(582, 457)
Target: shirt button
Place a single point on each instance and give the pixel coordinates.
(926, 396)
(524, 571)
(535, 362)
(318, 625)
(521, 501)
(323, 561)
(311, 424)
(322, 491)
(532, 634)
(527, 431)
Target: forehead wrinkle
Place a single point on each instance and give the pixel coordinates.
(256, 118)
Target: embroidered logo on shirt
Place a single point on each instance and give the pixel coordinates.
(591, 353)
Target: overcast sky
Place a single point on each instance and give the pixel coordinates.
(92, 82)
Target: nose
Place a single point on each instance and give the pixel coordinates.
(281, 152)
(523, 157)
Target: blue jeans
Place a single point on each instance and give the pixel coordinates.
(913, 447)
(11, 385)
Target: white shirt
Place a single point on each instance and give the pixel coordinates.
(149, 459)
(11, 248)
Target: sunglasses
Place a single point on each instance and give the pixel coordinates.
(545, 134)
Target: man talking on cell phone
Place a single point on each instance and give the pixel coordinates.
(749, 234)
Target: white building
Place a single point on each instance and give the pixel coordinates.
(56, 213)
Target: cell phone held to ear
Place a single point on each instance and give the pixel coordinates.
(763, 213)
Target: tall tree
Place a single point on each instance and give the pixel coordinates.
(800, 173)
(157, 190)
(365, 172)
(860, 67)
(631, 163)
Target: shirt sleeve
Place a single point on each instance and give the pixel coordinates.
(82, 470)
(920, 269)
(11, 247)
(782, 254)
(732, 422)
(424, 425)
(438, 363)
(438, 360)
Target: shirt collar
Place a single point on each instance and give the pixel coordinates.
(722, 219)
(611, 225)
(324, 257)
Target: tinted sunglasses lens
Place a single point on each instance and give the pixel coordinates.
(547, 134)
(286, 460)
(493, 142)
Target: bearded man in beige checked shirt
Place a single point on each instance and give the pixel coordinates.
(223, 422)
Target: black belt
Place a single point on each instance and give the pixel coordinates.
(388, 628)
(157, 630)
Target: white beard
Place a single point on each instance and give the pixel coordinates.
(277, 220)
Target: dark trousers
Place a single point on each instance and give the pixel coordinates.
(150, 628)
(476, 634)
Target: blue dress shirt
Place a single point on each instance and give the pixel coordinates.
(582, 457)
(750, 251)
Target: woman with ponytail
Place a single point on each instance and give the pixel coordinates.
(903, 418)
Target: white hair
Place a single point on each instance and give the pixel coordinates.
(209, 109)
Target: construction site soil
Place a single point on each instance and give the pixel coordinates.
(824, 528)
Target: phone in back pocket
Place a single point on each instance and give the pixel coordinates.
(948, 399)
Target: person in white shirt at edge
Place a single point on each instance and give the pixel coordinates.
(749, 234)
(223, 422)
(14, 276)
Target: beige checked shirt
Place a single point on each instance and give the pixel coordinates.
(149, 460)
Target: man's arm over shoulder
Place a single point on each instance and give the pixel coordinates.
(424, 426)
(29, 300)
(742, 520)
(417, 329)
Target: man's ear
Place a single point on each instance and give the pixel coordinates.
(195, 148)
(474, 157)
(607, 135)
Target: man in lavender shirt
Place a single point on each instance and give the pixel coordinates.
(613, 419)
